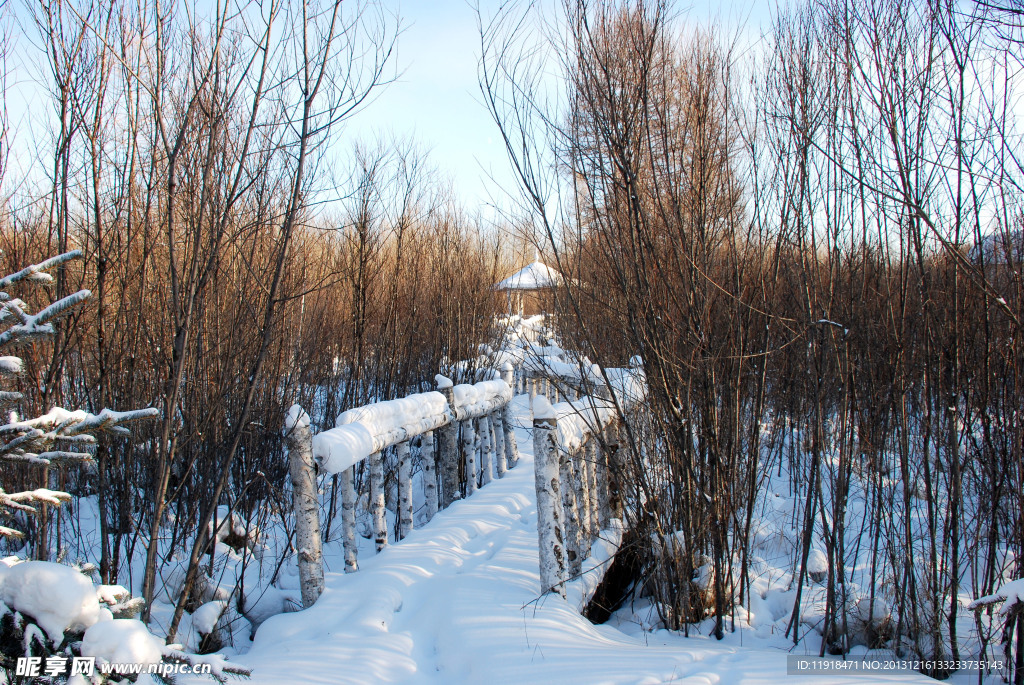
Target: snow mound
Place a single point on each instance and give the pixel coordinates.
(112, 594)
(58, 597)
(122, 640)
(817, 562)
(12, 366)
(204, 619)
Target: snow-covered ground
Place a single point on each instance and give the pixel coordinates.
(457, 602)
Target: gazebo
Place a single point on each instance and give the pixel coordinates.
(530, 288)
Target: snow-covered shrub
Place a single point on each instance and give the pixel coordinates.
(55, 613)
(1010, 597)
(48, 609)
(871, 623)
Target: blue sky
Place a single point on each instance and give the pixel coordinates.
(436, 99)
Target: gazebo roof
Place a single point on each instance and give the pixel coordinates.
(535, 276)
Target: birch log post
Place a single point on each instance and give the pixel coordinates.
(404, 489)
(486, 450)
(469, 454)
(348, 519)
(568, 474)
(581, 481)
(511, 449)
(299, 442)
(591, 460)
(429, 473)
(607, 445)
(549, 502)
(448, 448)
(498, 440)
(613, 502)
(377, 505)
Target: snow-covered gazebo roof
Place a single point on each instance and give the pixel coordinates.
(534, 276)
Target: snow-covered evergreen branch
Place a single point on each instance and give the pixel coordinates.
(59, 435)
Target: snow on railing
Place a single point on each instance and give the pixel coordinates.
(475, 437)
(542, 367)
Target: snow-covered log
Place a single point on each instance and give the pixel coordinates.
(360, 432)
(404, 489)
(429, 459)
(1010, 595)
(549, 501)
(480, 399)
(298, 443)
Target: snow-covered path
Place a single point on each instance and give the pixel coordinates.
(456, 602)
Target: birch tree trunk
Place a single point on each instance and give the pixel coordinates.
(429, 473)
(583, 498)
(611, 500)
(549, 507)
(299, 442)
(348, 519)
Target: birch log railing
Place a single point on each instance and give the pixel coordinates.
(452, 467)
(578, 410)
(578, 461)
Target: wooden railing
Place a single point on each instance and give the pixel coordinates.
(466, 439)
